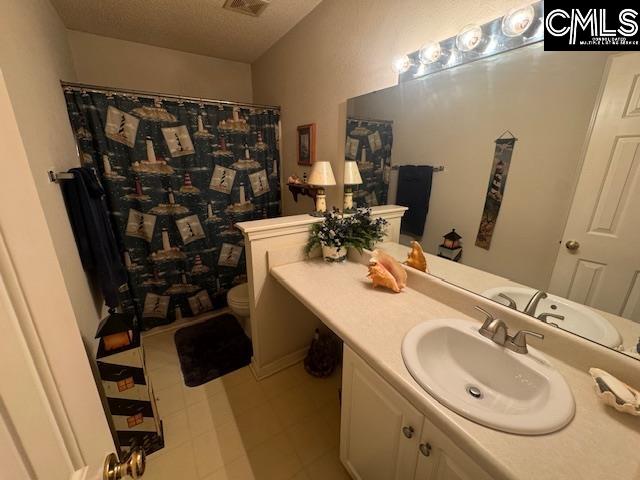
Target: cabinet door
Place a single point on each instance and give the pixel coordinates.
(380, 430)
(440, 459)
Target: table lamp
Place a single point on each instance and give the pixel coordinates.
(321, 176)
(351, 177)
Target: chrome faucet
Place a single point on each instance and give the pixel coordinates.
(496, 330)
(530, 309)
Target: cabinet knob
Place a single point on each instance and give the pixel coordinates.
(408, 431)
(425, 449)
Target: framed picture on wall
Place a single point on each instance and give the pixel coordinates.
(306, 144)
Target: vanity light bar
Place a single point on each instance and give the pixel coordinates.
(518, 28)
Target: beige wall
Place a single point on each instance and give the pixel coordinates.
(118, 63)
(342, 50)
(452, 118)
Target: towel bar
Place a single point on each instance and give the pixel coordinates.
(57, 177)
(439, 168)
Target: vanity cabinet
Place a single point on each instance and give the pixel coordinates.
(384, 437)
(379, 430)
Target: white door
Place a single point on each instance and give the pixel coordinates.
(31, 443)
(52, 424)
(601, 269)
(379, 429)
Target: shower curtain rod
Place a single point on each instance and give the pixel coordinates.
(154, 95)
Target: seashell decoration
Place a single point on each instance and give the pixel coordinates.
(386, 271)
(416, 258)
(391, 264)
(615, 393)
(380, 276)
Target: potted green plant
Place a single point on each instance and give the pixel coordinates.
(363, 231)
(337, 232)
(331, 236)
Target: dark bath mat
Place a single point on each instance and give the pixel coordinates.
(211, 349)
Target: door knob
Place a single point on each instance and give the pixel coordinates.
(572, 245)
(133, 465)
(408, 431)
(425, 449)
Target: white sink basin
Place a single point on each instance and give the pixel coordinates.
(516, 393)
(578, 319)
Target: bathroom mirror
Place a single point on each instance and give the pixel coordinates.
(536, 166)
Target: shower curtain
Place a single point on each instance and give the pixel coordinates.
(369, 142)
(178, 175)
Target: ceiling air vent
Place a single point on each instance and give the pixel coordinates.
(248, 7)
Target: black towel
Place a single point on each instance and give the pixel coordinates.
(414, 190)
(92, 229)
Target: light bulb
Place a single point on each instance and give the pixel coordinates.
(430, 53)
(469, 38)
(401, 64)
(517, 21)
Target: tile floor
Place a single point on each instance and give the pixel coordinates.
(236, 428)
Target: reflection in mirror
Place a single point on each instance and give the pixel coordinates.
(538, 170)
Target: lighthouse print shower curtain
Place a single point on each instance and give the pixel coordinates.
(369, 143)
(178, 175)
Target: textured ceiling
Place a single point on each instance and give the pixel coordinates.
(196, 26)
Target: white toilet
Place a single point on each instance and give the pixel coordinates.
(238, 300)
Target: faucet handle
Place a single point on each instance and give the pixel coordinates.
(489, 316)
(511, 302)
(519, 340)
(543, 317)
(493, 328)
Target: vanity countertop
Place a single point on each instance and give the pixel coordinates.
(598, 444)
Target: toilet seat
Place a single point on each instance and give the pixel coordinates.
(238, 301)
(239, 295)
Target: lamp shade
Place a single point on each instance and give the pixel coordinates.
(351, 173)
(321, 175)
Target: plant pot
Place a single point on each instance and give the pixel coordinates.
(331, 253)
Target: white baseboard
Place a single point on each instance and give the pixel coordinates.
(269, 369)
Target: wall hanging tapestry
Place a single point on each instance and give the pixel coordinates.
(369, 143)
(178, 174)
(495, 191)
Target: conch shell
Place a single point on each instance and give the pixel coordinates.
(385, 270)
(416, 258)
(380, 276)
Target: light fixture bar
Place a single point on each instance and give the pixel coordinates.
(493, 42)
